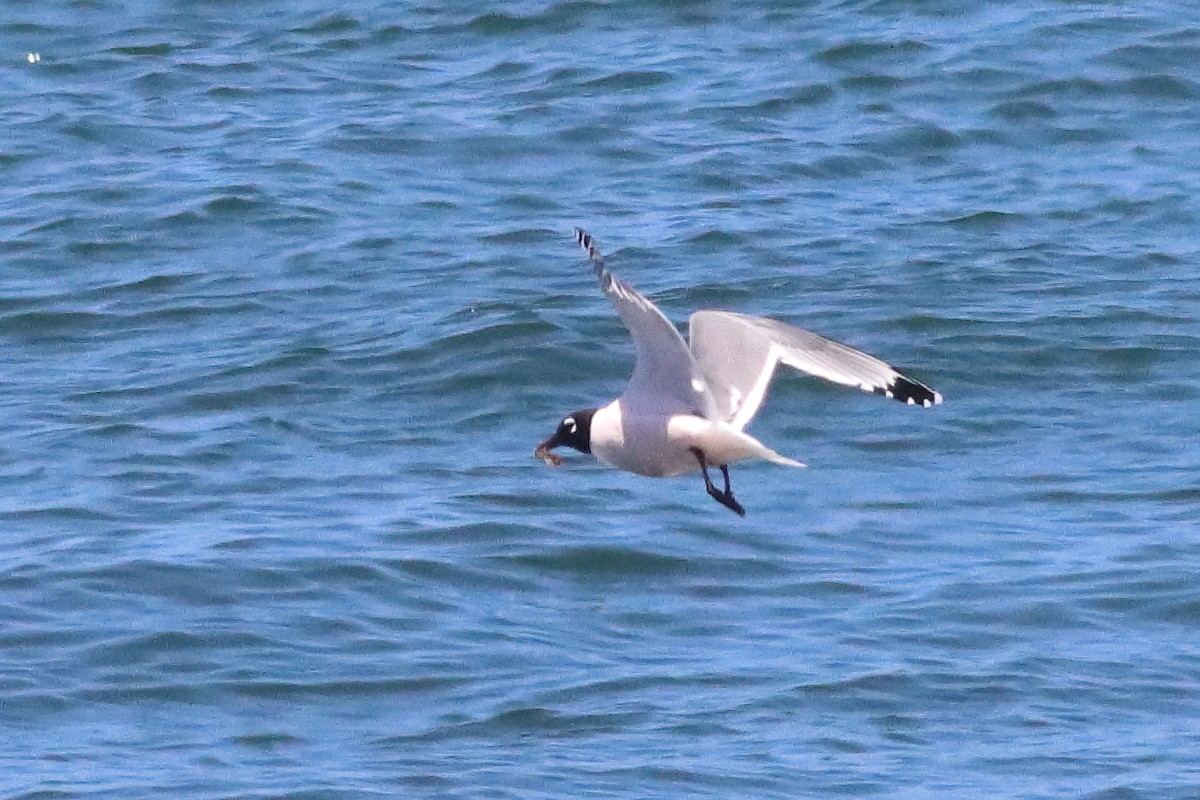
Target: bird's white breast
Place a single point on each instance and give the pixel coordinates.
(639, 442)
(659, 444)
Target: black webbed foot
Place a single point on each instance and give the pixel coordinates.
(725, 497)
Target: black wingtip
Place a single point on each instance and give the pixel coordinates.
(911, 392)
(588, 243)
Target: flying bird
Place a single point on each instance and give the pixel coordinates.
(687, 404)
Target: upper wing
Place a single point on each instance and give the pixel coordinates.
(666, 375)
(738, 355)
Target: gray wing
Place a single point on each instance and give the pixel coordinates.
(666, 375)
(738, 355)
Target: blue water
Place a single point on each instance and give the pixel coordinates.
(289, 297)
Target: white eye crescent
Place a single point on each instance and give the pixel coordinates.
(570, 423)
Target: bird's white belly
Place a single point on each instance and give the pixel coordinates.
(660, 445)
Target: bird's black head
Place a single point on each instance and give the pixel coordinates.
(575, 431)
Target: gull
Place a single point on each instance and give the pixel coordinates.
(687, 404)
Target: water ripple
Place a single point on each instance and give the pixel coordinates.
(290, 297)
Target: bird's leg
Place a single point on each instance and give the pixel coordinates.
(725, 475)
(725, 498)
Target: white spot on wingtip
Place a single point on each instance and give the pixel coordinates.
(912, 402)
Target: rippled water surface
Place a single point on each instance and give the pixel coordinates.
(289, 297)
